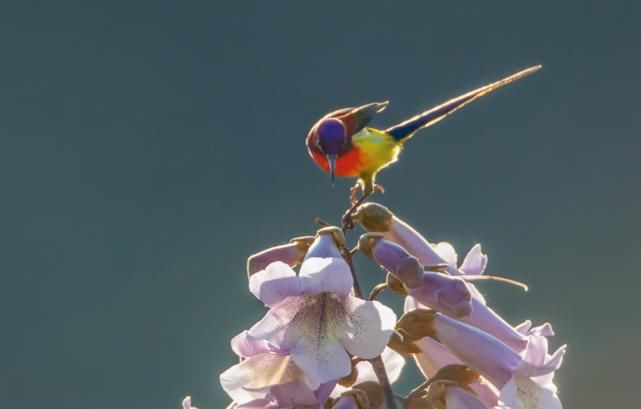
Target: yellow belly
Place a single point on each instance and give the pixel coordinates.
(377, 149)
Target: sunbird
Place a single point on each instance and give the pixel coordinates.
(342, 144)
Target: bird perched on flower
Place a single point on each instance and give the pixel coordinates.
(342, 144)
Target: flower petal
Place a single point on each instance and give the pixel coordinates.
(478, 349)
(322, 357)
(258, 404)
(368, 327)
(275, 283)
(254, 377)
(433, 356)
(276, 326)
(187, 403)
(293, 394)
(484, 318)
(291, 253)
(486, 392)
(524, 327)
(523, 393)
(324, 245)
(392, 361)
(475, 261)
(245, 345)
(551, 364)
(325, 275)
(544, 330)
(443, 293)
(457, 398)
(447, 252)
(405, 235)
(323, 391)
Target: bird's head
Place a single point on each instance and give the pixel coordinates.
(332, 141)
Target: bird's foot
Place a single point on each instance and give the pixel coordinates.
(348, 217)
(348, 220)
(379, 188)
(354, 193)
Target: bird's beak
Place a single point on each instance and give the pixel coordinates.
(331, 159)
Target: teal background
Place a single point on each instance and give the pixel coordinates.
(148, 147)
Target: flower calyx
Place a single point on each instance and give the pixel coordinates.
(374, 217)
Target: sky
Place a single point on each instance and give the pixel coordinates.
(147, 148)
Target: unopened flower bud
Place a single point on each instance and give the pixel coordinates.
(327, 243)
(377, 218)
(478, 349)
(394, 284)
(417, 324)
(291, 253)
(443, 293)
(374, 217)
(367, 242)
(393, 258)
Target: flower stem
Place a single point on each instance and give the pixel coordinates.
(347, 255)
(381, 374)
(376, 291)
(377, 363)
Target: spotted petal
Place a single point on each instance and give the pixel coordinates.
(276, 328)
(368, 327)
(524, 393)
(322, 357)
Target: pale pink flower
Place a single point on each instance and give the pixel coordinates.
(313, 315)
(521, 378)
(268, 378)
(518, 373)
(187, 403)
(440, 292)
(377, 218)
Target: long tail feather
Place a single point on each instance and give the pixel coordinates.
(408, 128)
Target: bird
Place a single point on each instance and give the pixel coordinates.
(342, 144)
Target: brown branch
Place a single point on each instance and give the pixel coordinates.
(376, 291)
(377, 363)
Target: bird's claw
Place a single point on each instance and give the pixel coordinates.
(354, 193)
(379, 188)
(348, 220)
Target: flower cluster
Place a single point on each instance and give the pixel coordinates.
(322, 345)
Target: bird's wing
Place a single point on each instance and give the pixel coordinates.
(357, 118)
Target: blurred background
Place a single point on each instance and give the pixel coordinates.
(148, 147)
